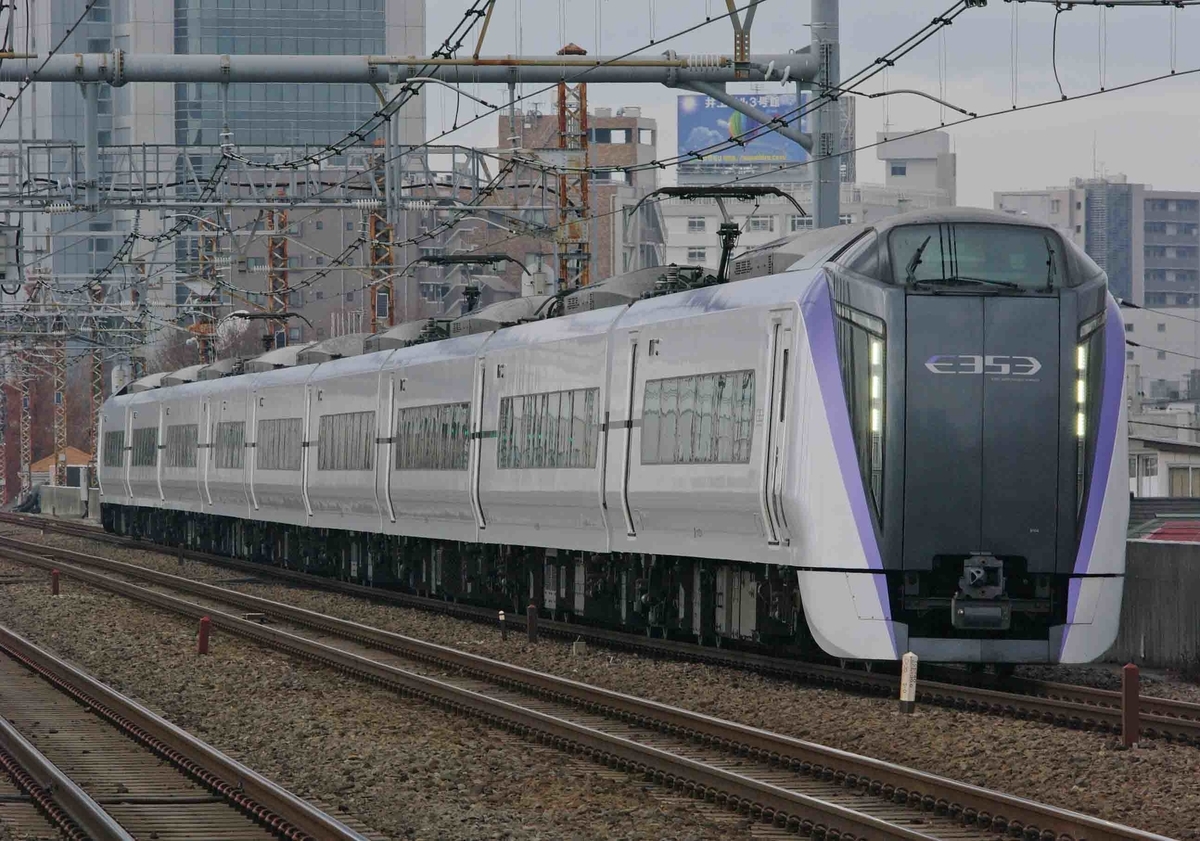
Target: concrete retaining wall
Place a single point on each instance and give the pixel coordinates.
(61, 501)
(1160, 613)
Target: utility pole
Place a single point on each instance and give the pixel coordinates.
(24, 379)
(58, 373)
(379, 251)
(6, 489)
(277, 275)
(827, 135)
(572, 240)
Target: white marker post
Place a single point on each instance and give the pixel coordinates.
(908, 682)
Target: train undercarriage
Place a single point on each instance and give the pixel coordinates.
(706, 601)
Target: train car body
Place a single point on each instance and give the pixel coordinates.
(909, 440)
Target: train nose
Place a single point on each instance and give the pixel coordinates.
(981, 433)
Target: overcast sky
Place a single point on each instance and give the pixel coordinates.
(1151, 133)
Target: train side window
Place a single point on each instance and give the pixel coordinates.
(279, 444)
(229, 440)
(702, 419)
(145, 447)
(552, 429)
(433, 437)
(114, 448)
(181, 444)
(346, 441)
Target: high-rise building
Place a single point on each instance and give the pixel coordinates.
(1147, 240)
(183, 123)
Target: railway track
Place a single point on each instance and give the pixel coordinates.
(815, 790)
(1067, 705)
(95, 765)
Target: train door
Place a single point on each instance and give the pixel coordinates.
(158, 454)
(476, 450)
(387, 437)
(126, 455)
(774, 461)
(206, 447)
(627, 450)
(306, 449)
(252, 456)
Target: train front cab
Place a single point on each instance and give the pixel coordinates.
(984, 417)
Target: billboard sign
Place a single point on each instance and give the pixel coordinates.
(704, 122)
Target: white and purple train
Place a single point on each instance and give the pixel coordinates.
(874, 439)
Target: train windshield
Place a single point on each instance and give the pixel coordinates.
(999, 256)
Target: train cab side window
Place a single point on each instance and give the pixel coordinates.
(863, 256)
(114, 448)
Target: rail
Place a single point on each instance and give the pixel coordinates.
(935, 798)
(1061, 704)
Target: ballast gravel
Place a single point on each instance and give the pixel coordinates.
(402, 767)
(1155, 787)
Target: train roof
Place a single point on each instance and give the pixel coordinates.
(801, 251)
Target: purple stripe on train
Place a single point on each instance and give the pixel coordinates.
(817, 309)
(1106, 438)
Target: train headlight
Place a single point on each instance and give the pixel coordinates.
(1088, 355)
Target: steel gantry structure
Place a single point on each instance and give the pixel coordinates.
(109, 315)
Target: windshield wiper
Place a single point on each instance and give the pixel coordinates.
(963, 280)
(911, 268)
(1050, 267)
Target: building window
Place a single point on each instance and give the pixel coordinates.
(646, 136)
(899, 168)
(346, 441)
(433, 437)
(294, 334)
(279, 444)
(706, 419)
(696, 224)
(846, 219)
(1055, 206)
(350, 297)
(320, 260)
(1129, 327)
(99, 45)
(760, 223)
(350, 226)
(556, 429)
(1162, 354)
(697, 255)
(256, 264)
(1079, 229)
(796, 222)
(320, 225)
(1162, 327)
(1079, 205)
(1129, 354)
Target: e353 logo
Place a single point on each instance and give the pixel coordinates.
(1000, 366)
